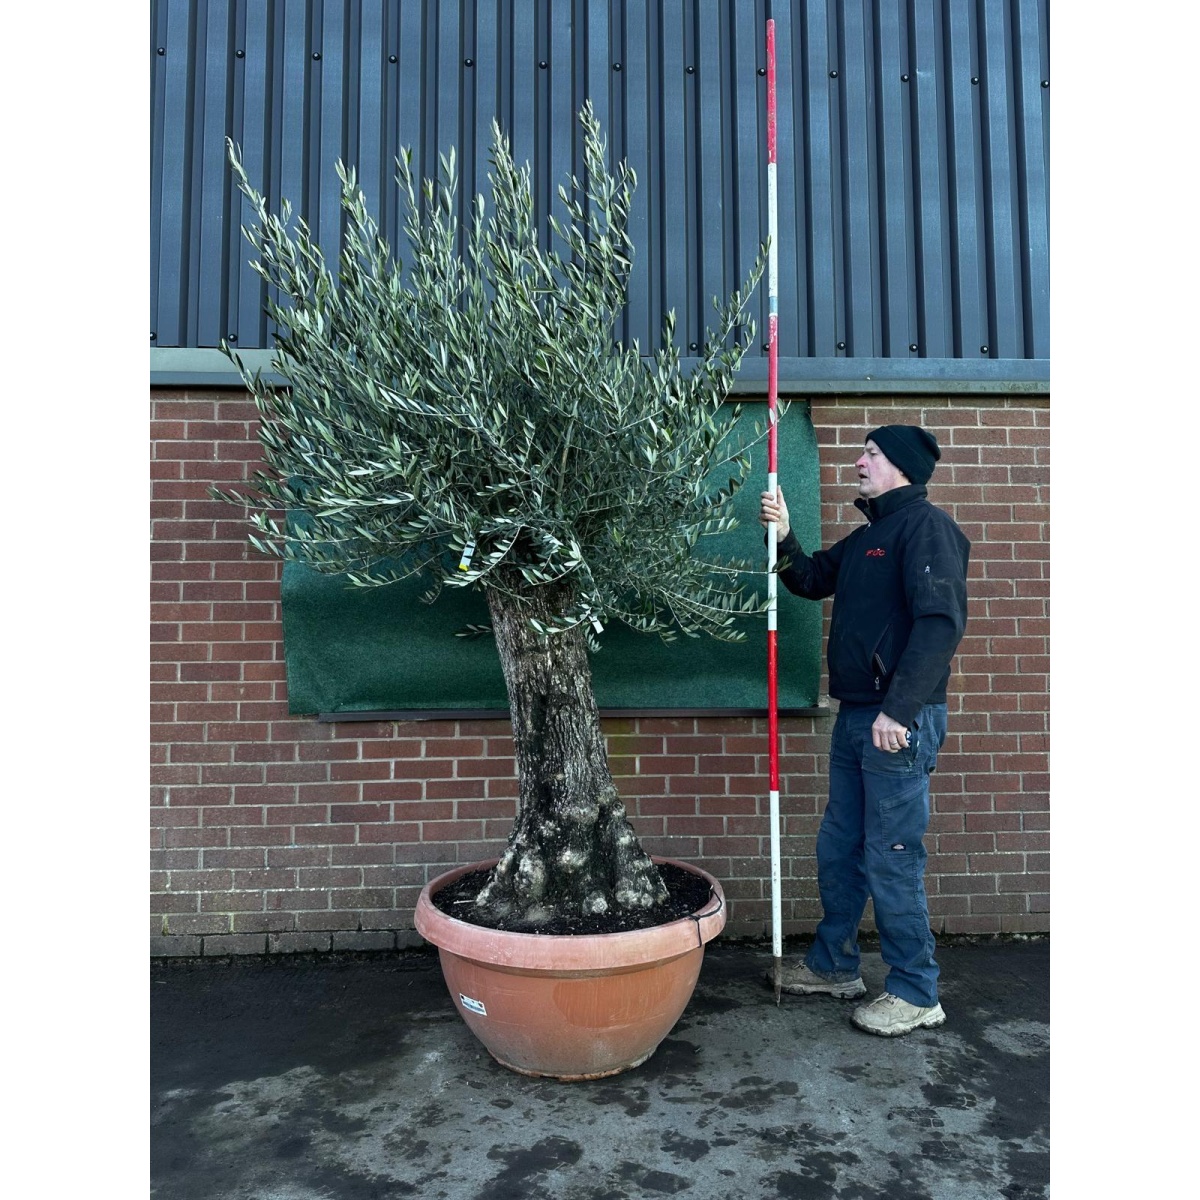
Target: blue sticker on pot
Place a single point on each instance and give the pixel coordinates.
(475, 1006)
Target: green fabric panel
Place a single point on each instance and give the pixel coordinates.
(351, 649)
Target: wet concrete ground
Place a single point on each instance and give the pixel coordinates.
(323, 1079)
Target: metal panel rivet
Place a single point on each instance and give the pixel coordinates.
(691, 70)
(241, 53)
(983, 349)
(903, 78)
(153, 335)
(974, 78)
(162, 49)
(841, 345)
(543, 64)
(1045, 83)
(913, 347)
(316, 55)
(232, 337)
(762, 70)
(832, 74)
(392, 58)
(616, 66)
(767, 346)
(468, 62)
(693, 346)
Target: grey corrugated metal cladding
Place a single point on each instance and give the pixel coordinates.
(913, 156)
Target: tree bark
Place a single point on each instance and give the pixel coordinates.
(572, 850)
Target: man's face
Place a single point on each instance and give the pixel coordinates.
(876, 473)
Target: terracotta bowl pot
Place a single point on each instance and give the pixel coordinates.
(571, 1007)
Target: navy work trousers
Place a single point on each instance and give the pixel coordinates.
(870, 844)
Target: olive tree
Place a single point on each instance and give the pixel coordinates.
(468, 415)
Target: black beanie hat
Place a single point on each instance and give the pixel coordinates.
(914, 450)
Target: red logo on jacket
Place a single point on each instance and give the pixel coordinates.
(878, 552)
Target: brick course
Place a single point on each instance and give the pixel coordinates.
(274, 833)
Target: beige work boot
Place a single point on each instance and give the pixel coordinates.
(803, 982)
(889, 1016)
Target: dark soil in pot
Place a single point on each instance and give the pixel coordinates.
(688, 894)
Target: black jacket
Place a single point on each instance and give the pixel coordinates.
(899, 587)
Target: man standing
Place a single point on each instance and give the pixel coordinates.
(899, 609)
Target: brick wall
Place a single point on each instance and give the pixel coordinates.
(272, 832)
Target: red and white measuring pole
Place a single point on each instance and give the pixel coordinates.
(772, 486)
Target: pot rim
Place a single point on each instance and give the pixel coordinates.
(569, 952)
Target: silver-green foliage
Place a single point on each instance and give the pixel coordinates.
(479, 399)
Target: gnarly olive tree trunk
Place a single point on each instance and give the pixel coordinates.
(572, 850)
